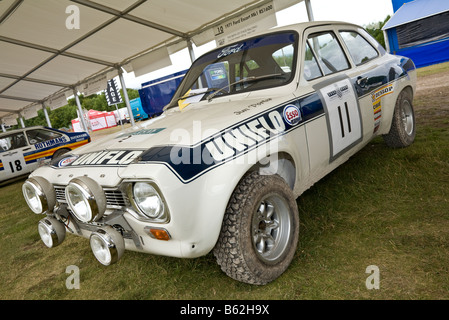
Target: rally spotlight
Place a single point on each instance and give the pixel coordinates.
(107, 245)
(86, 199)
(52, 232)
(39, 195)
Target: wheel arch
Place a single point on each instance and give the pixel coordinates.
(399, 136)
(281, 163)
(408, 89)
(387, 114)
(60, 152)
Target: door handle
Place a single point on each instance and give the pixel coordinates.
(362, 81)
(11, 153)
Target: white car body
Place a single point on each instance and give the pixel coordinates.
(301, 130)
(24, 150)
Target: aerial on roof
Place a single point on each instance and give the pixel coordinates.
(50, 49)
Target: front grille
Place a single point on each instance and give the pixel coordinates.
(60, 194)
(114, 197)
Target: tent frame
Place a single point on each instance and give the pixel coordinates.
(175, 37)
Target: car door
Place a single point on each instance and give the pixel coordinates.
(13, 147)
(345, 71)
(45, 143)
(329, 74)
(371, 75)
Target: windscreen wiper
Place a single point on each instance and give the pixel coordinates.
(192, 95)
(248, 79)
(198, 93)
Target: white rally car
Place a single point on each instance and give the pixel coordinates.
(23, 150)
(251, 127)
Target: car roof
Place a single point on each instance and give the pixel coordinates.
(305, 25)
(299, 27)
(21, 129)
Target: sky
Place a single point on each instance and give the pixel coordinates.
(361, 12)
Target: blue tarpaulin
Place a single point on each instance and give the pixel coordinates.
(416, 10)
(420, 30)
(426, 55)
(156, 94)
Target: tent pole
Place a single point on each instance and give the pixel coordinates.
(125, 94)
(192, 59)
(80, 110)
(191, 52)
(44, 108)
(309, 10)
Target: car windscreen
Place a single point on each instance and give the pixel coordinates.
(253, 64)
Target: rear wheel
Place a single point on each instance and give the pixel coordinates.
(403, 128)
(260, 230)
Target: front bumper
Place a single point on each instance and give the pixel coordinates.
(195, 209)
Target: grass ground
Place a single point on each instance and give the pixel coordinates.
(384, 207)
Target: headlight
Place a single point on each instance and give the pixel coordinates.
(86, 199)
(39, 195)
(147, 200)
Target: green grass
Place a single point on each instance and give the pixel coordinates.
(383, 207)
(433, 69)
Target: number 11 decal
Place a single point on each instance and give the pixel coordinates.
(343, 116)
(348, 119)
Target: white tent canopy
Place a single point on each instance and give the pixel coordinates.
(51, 49)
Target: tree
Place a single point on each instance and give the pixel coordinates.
(375, 30)
(62, 117)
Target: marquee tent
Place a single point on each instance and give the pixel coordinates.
(97, 120)
(53, 49)
(419, 30)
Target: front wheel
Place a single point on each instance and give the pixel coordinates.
(403, 127)
(260, 230)
(59, 153)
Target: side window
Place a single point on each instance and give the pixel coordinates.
(361, 50)
(5, 144)
(12, 141)
(328, 52)
(311, 68)
(41, 135)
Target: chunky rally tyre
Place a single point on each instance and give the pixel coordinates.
(260, 230)
(403, 129)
